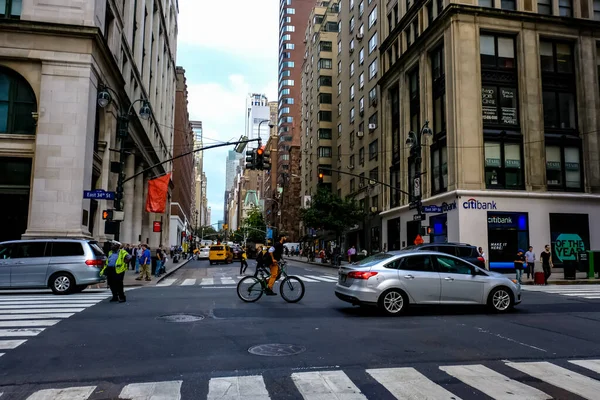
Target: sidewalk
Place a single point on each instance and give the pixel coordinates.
(130, 275)
(555, 279)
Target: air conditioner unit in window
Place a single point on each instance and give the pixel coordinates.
(372, 126)
(360, 36)
(360, 134)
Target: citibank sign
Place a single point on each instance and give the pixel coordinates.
(474, 204)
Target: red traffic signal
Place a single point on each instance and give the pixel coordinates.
(260, 151)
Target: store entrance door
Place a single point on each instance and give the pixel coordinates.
(412, 231)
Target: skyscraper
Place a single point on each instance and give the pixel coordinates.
(257, 111)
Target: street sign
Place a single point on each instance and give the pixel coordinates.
(414, 205)
(417, 186)
(419, 217)
(156, 227)
(98, 194)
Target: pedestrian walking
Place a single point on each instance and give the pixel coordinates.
(138, 257)
(530, 259)
(547, 265)
(351, 254)
(145, 264)
(244, 263)
(519, 265)
(159, 261)
(482, 255)
(114, 269)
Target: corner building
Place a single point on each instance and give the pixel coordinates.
(511, 92)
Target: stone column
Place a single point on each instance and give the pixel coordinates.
(138, 205)
(64, 149)
(128, 199)
(146, 229)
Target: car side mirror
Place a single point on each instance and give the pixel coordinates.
(474, 271)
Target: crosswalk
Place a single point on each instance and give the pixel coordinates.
(537, 380)
(233, 280)
(24, 315)
(591, 292)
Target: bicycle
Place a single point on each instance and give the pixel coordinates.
(251, 288)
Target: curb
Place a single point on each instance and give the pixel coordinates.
(313, 263)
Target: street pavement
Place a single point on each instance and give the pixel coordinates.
(83, 347)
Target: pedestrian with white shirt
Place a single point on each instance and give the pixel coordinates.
(530, 260)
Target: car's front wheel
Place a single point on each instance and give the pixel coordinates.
(62, 283)
(501, 300)
(393, 302)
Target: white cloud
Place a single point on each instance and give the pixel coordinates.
(241, 27)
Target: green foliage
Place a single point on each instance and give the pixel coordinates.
(329, 212)
(207, 232)
(255, 226)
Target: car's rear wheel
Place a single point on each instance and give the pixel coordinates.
(62, 283)
(393, 302)
(501, 300)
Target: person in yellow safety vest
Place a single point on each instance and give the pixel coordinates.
(114, 269)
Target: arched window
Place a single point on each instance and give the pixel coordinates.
(17, 103)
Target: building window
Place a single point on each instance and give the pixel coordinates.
(324, 116)
(374, 175)
(339, 131)
(17, 104)
(339, 46)
(503, 165)
(324, 98)
(351, 5)
(439, 150)
(373, 17)
(361, 8)
(352, 115)
(597, 10)
(508, 4)
(352, 93)
(339, 88)
(339, 109)
(373, 119)
(352, 69)
(325, 46)
(485, 3)
(373, 43)
(563, 167)
(351, 27)
(544, 7)
(324, 152)
(361, 156)
(373, 95)
(325, 133)
(361, 56)
(361, 105)
(324, 81)
(325, 63)
(351, 46)
(339, 67)
(439, 167)
(352, 185)
(10, 8)
(414, 99)
(565, 8)
(361, 80)
(373, 70)
(373, 146)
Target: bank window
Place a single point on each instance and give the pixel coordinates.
(503, 165)
(508, 4)
(449, 265)
(439, 91)
(556, 57)
(17, 104)
(10, 8)
(497, 51)
(544, 7)
(414, 105)
(565, 8)
(439, 167)
(597, 10)
(485, 3)
(563, 168)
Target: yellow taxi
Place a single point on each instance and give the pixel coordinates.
(220, 253)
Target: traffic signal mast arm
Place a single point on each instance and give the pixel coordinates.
(370, 180)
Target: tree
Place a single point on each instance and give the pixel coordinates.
(329, 212)
(206, 231)
(255, 226)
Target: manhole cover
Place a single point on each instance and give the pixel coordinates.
(276, 350)
(181, 318)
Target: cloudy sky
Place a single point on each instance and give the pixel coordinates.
(227, 52)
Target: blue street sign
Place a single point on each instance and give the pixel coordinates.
(269, 233)
(98, 194)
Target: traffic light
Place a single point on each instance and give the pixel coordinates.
(107, 215)
(251, 159)
(321, 175)
(266, 161)
(225, 227)
(260, 152)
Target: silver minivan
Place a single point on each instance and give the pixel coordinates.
(63, 265)
(395, 279)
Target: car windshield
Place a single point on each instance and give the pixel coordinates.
(217, 248)
(372, 260)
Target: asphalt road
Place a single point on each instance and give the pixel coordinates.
(110, 350)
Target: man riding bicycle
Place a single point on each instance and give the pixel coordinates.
(275, 253)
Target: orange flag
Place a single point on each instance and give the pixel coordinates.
(158, 189)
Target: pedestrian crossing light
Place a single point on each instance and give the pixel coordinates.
(107, 215)
(251, 159)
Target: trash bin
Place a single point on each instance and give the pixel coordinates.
(570, 270)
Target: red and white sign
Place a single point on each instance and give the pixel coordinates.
(157, 226)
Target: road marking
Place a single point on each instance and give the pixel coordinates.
(33, 316)
(220, 287)
(591, 297)
(321, 278)
(593, 365)
(408, 383)
(10, 344)
(227, 281)
(52, 298)
(1, 354)
(561, 377)
(152, 391)
(167, 282)
(37, 311)
(495, 385)
(21, 332)
(82, 303)
(238, 388)
(41, 306)
(39, 322)
(326, 385)
(305, 279)
(188, 282)
(207, 281)
(74, 393)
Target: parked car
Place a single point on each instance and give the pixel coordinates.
(63, 265)
(237, 252)
(465, 251)
(220, 253)
(203, 254)
(394, 280)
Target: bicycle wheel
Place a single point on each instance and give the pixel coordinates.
(292, 289)
(249, 289)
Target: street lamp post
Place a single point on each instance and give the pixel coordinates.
(278, 211)
(259, 124)
(415, 140)
(104, 98)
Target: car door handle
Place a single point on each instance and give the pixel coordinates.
(409, 277)
(449, 279)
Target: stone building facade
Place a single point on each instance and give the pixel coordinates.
(55, 140)
(511, 93)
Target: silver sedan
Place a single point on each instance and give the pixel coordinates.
(395, 279)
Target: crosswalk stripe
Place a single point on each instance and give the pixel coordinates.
(18, 332)
(10, 344)
(39, 322)
(591, 297)
(207, 281)
(39, 306)
(74, 393)
(39, 311)
(592, 365)
(61, 303)
(227, 281)
(306, 279)
(52, 298)
(321, 278)
(188, 282)
(152, 391)
(580, 294)
(167, 282)
(238, 388)
(34, 316)
(326, 385)
(495, 385)
(408, 383)
(560, 377)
